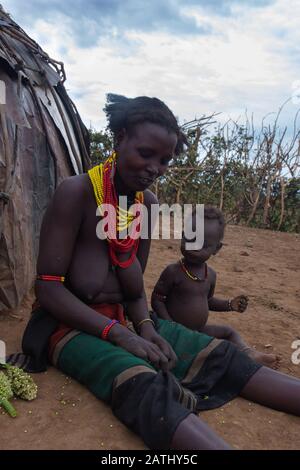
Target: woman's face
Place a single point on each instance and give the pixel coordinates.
(144, 155)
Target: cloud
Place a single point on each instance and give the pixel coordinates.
(93, 19)
(248, 58)
(90, 20)
(226, 7)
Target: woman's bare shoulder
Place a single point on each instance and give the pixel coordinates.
(70, 195)
(76, 187)
(78, 184)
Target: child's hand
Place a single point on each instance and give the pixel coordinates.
(239, 303)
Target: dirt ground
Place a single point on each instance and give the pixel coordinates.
(262, 264)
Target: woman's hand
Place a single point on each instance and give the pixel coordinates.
(148, 332)
(156, 351)
(239, 303)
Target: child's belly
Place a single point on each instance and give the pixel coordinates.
(191, 312)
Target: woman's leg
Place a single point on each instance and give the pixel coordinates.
(193, 434)
(151, 405)
(275, 390)
(149, 402)
(228, 333)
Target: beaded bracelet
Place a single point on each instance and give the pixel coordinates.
(107, 329)
(230, 309)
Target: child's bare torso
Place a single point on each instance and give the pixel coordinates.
(187, 302)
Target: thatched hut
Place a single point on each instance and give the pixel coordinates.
(42, 141)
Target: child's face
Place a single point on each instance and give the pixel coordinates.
(212, 243)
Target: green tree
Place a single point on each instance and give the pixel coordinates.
(101, 145)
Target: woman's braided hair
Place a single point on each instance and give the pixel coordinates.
(126, 113)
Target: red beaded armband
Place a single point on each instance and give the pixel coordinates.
(108, 328)
(47, 277)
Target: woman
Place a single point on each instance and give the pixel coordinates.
(155, 380)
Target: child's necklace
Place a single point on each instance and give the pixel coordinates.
(192, 276)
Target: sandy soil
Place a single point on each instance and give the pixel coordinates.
(262, 264)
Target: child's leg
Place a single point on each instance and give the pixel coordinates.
(275, 390)
(228, 333)
(224, 332)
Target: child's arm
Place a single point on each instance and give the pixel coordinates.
(160, 293)
(238, 304)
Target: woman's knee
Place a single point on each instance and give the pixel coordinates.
(148, 404)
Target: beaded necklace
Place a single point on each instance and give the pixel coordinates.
(193, 276)
(102, 179)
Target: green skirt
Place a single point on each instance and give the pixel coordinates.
(209, 372)
(212, 369)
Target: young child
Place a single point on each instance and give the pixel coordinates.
(184, 292)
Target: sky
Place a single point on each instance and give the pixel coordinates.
(198, 56)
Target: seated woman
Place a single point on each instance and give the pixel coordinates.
(156, 379)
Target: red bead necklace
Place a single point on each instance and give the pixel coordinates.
(127, 244)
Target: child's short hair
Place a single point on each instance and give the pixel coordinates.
(213, 213)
